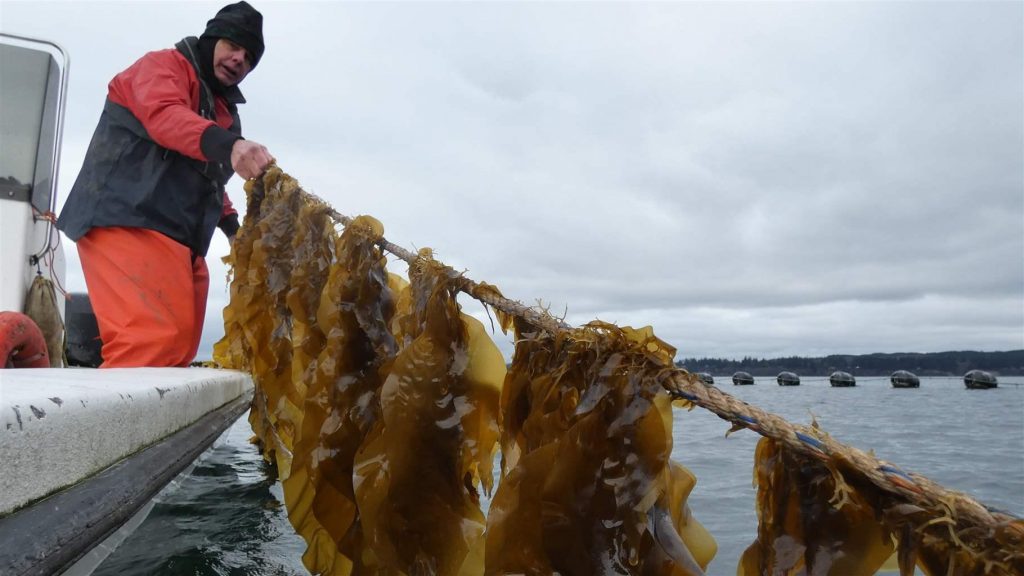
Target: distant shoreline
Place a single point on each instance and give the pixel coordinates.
(929, 364)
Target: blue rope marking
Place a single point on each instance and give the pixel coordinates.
(896, 472)
(684, 395)
(747, 419)
(812, 441)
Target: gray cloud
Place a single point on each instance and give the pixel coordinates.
(749, 178)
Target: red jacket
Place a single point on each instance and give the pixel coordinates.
(160, 155)
(161, 89)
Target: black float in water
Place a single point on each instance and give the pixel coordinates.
(980, 380)
(706, 378)
(904, 379)
(742, 379)
(788, 379)
(841, 379)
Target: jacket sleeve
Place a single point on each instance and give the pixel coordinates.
(228, 217)
(162, 91)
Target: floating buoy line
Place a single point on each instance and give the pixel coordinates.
(917, 521)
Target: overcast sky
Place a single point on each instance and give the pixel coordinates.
(762, 179)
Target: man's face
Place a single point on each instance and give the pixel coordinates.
(230, 62)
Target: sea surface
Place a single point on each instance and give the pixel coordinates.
(227, 516)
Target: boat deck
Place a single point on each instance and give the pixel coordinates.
(60, 426)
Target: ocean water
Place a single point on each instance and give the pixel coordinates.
(227, 517)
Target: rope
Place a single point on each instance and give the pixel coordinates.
(681, 384)
(48, 252)
(533, 316)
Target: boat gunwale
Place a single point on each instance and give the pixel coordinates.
(50, 535)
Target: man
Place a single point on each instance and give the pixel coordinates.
(151, 191)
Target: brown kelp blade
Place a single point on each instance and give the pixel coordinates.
(810, 521)
(588, 486)
(418, 473)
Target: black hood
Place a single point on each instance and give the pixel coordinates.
(243, 25)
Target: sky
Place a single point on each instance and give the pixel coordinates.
(755, 179)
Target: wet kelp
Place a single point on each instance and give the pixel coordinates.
(314, 317)
(822, 516)
(341, 401)
(418, 474)
(257, 322)
(810, 521)
(381, 405)
(588, 486)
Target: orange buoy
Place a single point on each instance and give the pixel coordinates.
(22, 344)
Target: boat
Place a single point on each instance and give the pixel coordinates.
(84, 449)
(706, 378)
(980, 380)
(742, 379)
(788, 379)
(840, 379)
(904, 379)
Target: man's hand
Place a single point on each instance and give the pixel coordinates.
(249, 159)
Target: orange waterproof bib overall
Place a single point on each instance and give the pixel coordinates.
(149, 296)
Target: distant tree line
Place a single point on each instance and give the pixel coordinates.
(929, 364)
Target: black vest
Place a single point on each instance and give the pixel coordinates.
(129, 180)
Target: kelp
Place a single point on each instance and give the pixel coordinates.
(313, 318)
(378, 400)
(939, 554)
(822, 516)
(418, 475)
(382, 405)
(941, 536)
(588, 486)
(257, 320)
(810, 521)
(342, 402)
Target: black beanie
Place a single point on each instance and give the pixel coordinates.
(241, 24)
